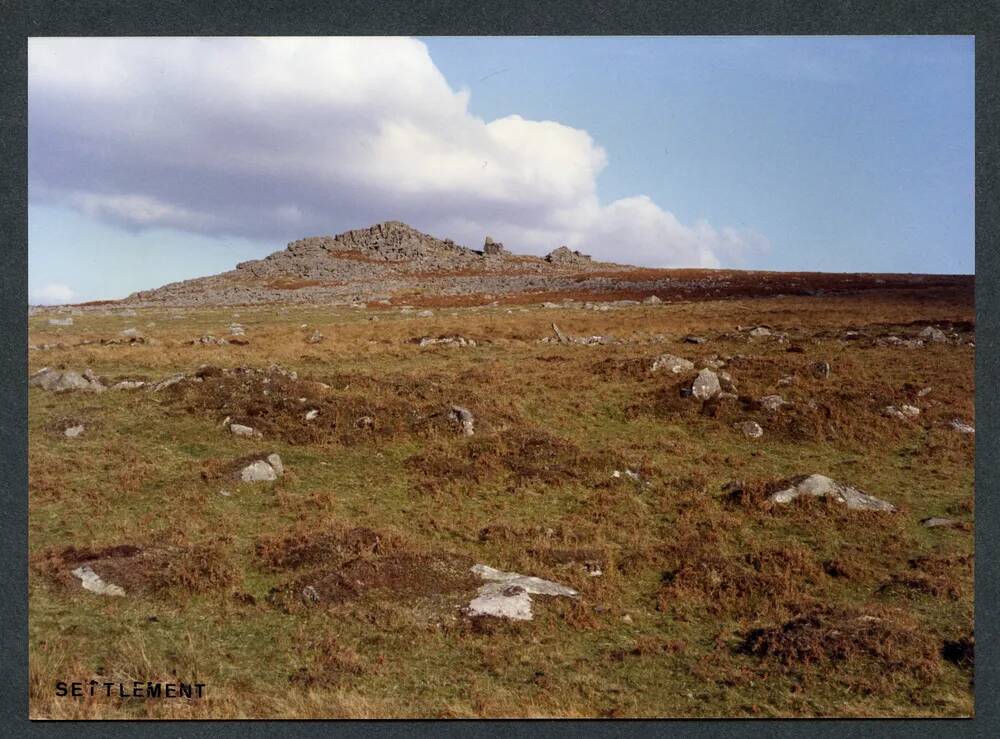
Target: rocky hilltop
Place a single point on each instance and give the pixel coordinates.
(394, 262)
(376, 263)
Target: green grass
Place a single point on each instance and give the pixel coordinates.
(134, 477)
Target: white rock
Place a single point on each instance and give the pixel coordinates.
(706, 385)
(61, 321)
(128, 385)
(92, 581)
(760, 331)
(62, 380)
(240, 430)
(73, 431)
(750, 429)
(259, 471)
(275, 461)
(465, 419)
(962, 427)
(672, 364)
(935, 335)
(508, 594)
(902, 413)
(310, 415)
(425, 314)
(771, 402)
(821, 486)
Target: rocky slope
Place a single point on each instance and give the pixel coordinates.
(376, 263)
(394, 262)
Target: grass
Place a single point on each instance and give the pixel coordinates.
(708, 605)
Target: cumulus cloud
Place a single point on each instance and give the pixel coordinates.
(52, 294)
(278, 138)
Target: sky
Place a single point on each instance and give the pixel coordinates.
(156, 160)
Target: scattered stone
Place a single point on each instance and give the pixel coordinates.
(508, 594)
(275, 461)
(760, 332)
(690, 339)
(91, 581)
(930, 333)
(64, 380)
(705, 385)
(785, 381)
(727, 383)
(564, 255)
(924, 392)
(820, 486)
(750, 429)
(453, 340)
(902, 413)
(820, 370)
(551, 305)
(132, 333)
(425, 314)
(939, 521)
(464, 418)
(962, 427)
(128, 385)
(74, 431)
(259, 471)
(563, 339)
(771, 402)
(315, 337)
(670, 363)
(240, 430)
(263, 470)
(236, 329)
(209, 340)
(309, 595)
(310, 415)
(165, 383)
(365, 422)
(652, 300)
(61, 321)
(493, 248)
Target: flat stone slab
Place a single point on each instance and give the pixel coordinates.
(821, 486)
(91, 581)
(508, 594)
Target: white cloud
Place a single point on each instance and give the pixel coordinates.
(279, 138)
(52, 294)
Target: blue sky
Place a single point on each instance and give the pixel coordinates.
(820, 153)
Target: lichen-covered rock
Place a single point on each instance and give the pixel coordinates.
(65, 380)
(670, 363)
(750, 429)
(706, 385)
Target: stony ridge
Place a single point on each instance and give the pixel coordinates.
(371, 263)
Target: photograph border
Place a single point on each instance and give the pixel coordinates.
(23, 19)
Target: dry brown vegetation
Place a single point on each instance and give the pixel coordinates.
(337, 589)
